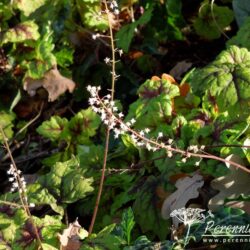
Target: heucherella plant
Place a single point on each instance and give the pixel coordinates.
(158, 155)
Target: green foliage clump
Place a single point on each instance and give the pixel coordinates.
(212, 20)
(226, 81)
(209, 108)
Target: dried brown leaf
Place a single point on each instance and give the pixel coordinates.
(187, 189)
(231, 186)
(180, 68)
(70, 239)
(53, 82)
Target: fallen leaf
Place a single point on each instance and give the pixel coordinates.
(231, 186)
(70, 239)
(180, 68)
(53, 82)
(174, 178)
(187, 189)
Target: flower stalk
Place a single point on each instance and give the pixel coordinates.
(20, 185)
(106, 108)
(114, 7)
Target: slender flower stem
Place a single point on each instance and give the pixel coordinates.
(113, 74)
(12, 204)
(21, 191)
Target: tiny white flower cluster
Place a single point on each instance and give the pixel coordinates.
(114, 7)
(96, 35)
(120, 51)
(196, 149)
(15, 177)
(108, 60)
(111, 11)
(18, 182)
(111, 116)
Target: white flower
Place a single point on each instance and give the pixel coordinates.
(120, 52)
(114, 3)
(140, 144)
(132, 121)
(133, 137)
(95, 109)
(111, 125)
(170, 154)
(116, 12)
(197, 163)
(107, 60)
(195, 148)
(108, 96)
(117, 132)
(103, 116)
(142, 133)
(15, 185)
(92, 101)
(154, 149)
(160, 134)
(147, 130)
(148, 146)
(124, 127)
(9, 172)
(94, 36)
(170, 141)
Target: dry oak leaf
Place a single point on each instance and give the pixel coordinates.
(70, 239)
(180, 68)
(187, 189)
(231, 186)
(53, 82)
